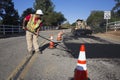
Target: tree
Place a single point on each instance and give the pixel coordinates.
(8, 14)
(96, 20)
(118, 1)
(26, 12)
(60, 18)
(46, 6)
(66, 25)
(51, 17)
(73, 24)
(116, 10)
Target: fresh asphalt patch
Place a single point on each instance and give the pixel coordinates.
(93, 50)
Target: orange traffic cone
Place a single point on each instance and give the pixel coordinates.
(51, 44)
(59, 37)
(81, 69)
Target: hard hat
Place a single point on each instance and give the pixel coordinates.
(39, 11)
(78, 19)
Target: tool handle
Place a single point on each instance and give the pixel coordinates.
(48, 39)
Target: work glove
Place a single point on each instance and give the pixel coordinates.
(37, 34)
(23, 27)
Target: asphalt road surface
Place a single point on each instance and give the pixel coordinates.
(103, 55)
(103, 58)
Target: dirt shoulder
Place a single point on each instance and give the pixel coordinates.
(113, 36)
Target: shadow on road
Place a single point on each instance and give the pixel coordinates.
(72, 37)
(96, 50)
(42, 48)
(93, 50)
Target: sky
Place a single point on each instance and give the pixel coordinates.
(71, 9)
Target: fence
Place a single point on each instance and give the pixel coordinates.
(114, 25)
(44, 28)
(10, 29)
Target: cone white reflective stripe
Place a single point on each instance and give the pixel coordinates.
(51, 37)
(51, 44)
(81, 63)
(81, 69)
(82, 55)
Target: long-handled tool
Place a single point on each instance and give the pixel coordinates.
(50, 40)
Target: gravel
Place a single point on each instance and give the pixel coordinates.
(56, 64)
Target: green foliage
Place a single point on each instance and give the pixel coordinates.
(96, 21)
(8, 14)
(73, 24)
(95, 18)
(65, 25)
(53, 18)
(26, 12)
(46, 6)
(116, 11)
(50, 17)
(117, 1)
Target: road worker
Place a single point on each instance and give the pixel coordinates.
(32, 23)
